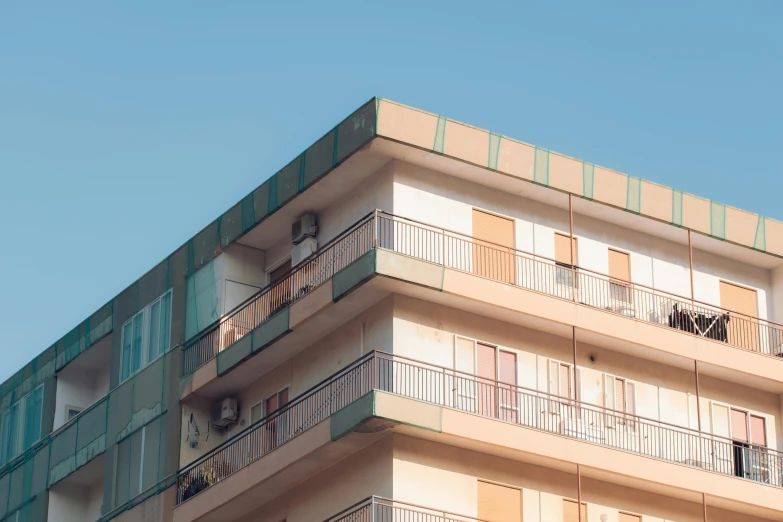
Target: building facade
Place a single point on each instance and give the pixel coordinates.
(419, 320)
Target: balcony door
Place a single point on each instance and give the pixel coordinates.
(743, 327)
(493, 244)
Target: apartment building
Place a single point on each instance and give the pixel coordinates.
(419, 320)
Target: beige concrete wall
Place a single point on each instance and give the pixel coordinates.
(445, 477)
(446, 201)
(366, 473)
(75, 503)
(427, 332)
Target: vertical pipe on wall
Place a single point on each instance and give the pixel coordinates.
(571, 246)
(698, 411)
(573, 347)
(690, 261)
(579, 493)
(704, 506)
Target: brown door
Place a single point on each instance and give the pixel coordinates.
(498, 503)
(570, 514)
(620, 275)
(487, 373)
(743, 328)
(280, 293)
(493, 245)
(276, 426)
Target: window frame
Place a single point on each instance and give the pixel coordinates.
(146, 325)
(7, 455)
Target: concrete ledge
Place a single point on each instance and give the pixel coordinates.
(409, 269)
(347, 279)
(378, 411)
(234, 354)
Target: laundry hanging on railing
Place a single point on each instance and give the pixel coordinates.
(712, 326)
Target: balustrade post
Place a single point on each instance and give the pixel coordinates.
(376, 228)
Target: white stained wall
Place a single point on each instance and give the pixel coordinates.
(443, 477)
(75, 503)
(446, 201)
(79, 389)
(426, 332)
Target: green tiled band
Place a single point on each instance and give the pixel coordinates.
(760, 241)
(717, 220)
(633, 197)
(440, 135)
(541, 166)
(588, 179)
(494, 150)
(677, 207)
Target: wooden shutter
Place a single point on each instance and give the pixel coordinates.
(485, 358)
(279, 272)
(625, 517)
(630, 398)
(507, 371)
(282, 398)
(758, 430)
(619, 265)
(493, 240)
(486, 361)
(570, 514)
(562, 252)
(498, 503)
(619, 394)
(739, 425)
(742, 329)
(271, 404)
(565, 380)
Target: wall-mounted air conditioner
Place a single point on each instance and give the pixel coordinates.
(224, 413)
(303, 228)
(303, 250)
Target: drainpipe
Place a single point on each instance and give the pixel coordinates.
(579, 493)
(704, 505)
(690, 260)
(571, 244)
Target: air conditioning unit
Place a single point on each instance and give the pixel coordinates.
(303, 228)
(224, 413)
(303, 250)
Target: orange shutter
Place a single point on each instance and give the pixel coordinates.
(562, 252)
(619, 265)
(570, 513)
(498, 503)
(625, 517)
(493, 240)
(630, 399)
(739, 425)
(742, 328)
(758, 431)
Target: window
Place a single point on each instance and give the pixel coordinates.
(499, 503)
(71, 412)
(560, 379)
(570, 513)
(563, 258)
(620, 275)
(620, 396)
(21, 425)
(146, 336)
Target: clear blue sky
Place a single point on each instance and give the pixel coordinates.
(125, 127)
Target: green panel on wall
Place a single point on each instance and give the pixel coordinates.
(231, 225)
(147, 394)
(356, 130)
(233, 355)
(261, 200)
(91, 437)
(353, 275)
(120, 406)
(319, 158)
(271, 330)
(287, 182)
(201, 309)
(62, 456)
(541, 166)
(205, 245)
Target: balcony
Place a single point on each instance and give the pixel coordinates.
(467, 393)
(383, 509)
(509, 266)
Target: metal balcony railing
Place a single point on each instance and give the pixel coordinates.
(507, 265)
(379, 509)
(544, 275)
(260, 307)
(506, 402)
